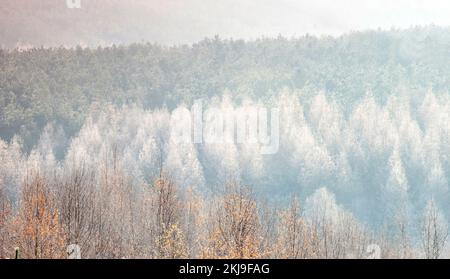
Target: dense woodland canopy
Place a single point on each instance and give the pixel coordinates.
(59, 85)
(88, 155)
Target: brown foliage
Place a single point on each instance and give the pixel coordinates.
(170, 238)
(5, 222)
(37, 230)
(235, 227)
(297, 239)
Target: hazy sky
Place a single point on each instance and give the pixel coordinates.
(186, 21)
(190, 20)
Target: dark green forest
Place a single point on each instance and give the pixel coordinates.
(59, 85)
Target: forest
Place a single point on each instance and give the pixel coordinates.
(89, 156)
(59, 85)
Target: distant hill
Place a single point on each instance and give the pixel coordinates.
(52, 23)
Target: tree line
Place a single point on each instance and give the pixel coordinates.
(107, 217)
(41, 85)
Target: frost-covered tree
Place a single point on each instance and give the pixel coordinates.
(434, 231)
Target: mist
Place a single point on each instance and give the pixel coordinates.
(149, 129)
(173, 22)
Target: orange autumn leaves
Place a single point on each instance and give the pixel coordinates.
(39, 232)
(234, 231)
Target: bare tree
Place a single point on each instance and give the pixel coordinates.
(169, 236)
(193, 220)
(5, 218)
(76, 202)
(295, 235)
(434, 231)
(401, 244)
(114, 224)
(268, 229)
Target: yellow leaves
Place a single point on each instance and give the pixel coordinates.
(165, 223)
(235, 227)
(39, 233)
(297, 239)
(172, 243)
